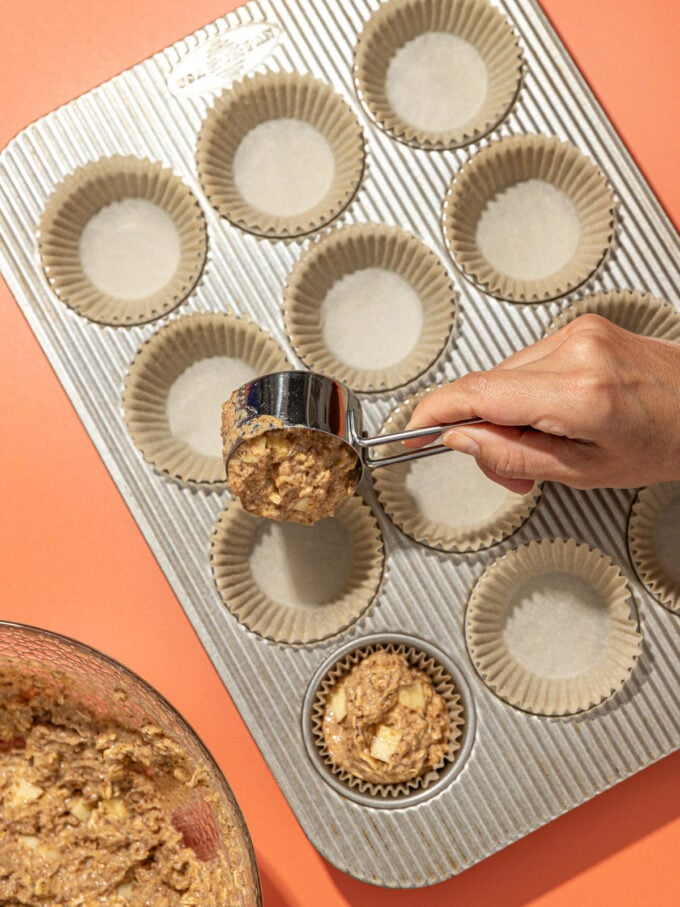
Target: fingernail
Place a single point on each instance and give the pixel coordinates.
(456, 440)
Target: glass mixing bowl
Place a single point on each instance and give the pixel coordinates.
(208, 817)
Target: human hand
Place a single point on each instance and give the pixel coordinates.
(590, 406)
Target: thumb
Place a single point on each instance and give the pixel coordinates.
(510, 454)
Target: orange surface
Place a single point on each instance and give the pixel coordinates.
(74, 561)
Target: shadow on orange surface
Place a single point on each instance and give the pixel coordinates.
(514, 877)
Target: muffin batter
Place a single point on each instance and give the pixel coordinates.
(384, 722)
(92, 813)
(293, 474)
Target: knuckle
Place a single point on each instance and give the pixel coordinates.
(475, 384)
(507, 465)
(589, 343)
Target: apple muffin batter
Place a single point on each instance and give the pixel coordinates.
(293, 474)
(93, 813)
(384, 722)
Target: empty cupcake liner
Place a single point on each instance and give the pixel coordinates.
(654, 541)
(267, 97)
(160, 361)
(554, 689)
(504, 164)
(81, 196)
(302, 613)
(447, 681)
(480, 25)
(635, 311)
(494, 521)
(342, 254)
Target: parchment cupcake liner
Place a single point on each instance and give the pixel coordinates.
(304, 614)
(81, 196)
(267, 97)
(558, 570)
(341, 254)
(482, 26)
(635, 311)
(438, 669)
(506, 163)
(464, 481)
(160, 361)
(654, 541)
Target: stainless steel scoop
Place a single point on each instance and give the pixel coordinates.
(310, 400)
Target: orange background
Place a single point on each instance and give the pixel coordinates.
(73, 560)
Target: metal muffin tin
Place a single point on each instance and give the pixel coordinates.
(521, 771)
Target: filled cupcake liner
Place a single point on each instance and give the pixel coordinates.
(444, 685)
(650, 516)
(235, 534)
(478, 23)
(161, 359)
(82, 195)
(270, 96)
(490, 607)
(343, 252)
(391, 488)
(505, 163)
(635, 311)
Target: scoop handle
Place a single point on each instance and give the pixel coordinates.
(429, 451)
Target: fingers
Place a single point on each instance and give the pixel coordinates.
(541, 399)
(553, 343)
(516, 456)
(532, 354)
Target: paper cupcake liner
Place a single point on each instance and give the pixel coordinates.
(478, 23)
(654, 541)
(630, 309)
(160, 361)
(344, 252)
(461, 535)
(307, 620)
(490, 612)
(505, 163)
(82, 195)
(271, 96)
(447, 683)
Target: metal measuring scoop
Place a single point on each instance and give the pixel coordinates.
(313, 401)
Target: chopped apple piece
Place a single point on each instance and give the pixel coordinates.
(339, 704)
(81, 810)
(413, 696)
(49, 853)
(25, 792)
(385, 743)
(114, 808)
(28, 841)
(124, 890)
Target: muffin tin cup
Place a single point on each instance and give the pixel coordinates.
(344, 252)
(464, 536)
(633, 310)
(82, 195)
(502, 165)
(448, 681)
(653, 522)
(300, 622)
(160, 361)
(489, 614)
(263, 98)
(398, 22)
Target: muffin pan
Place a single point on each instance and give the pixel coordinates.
(517, 771)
